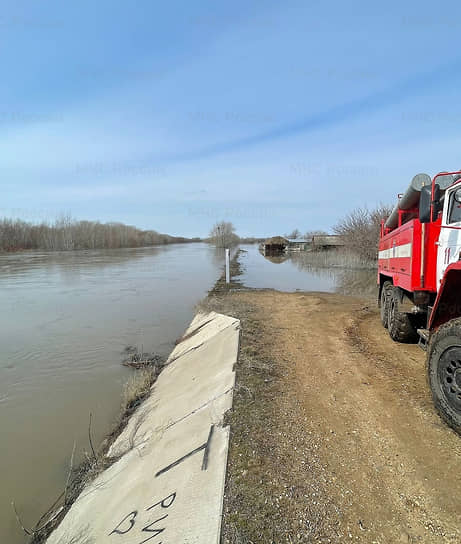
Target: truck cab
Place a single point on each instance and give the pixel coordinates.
(449, 243)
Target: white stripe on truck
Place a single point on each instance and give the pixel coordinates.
(396, 252)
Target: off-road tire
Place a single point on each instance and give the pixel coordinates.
(400, 325)
(444, 372)
(386, 290)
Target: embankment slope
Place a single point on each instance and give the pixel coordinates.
(167, 481)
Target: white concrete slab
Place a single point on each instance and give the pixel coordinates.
(203, 327)
(167, 486)
(190, 382)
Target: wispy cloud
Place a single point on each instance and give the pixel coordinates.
(409, 88)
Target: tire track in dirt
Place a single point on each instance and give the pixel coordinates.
(394, 465)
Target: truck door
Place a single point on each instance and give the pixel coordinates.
(450, 233)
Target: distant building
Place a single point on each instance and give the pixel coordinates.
(299, 244)
(280, 244)
(274, 245)
(326, 241)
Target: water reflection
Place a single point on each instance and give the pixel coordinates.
(218, 255)
(308, 272)
(361, 282)
(348, 281)
(276, 258)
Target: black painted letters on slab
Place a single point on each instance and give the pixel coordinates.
(130, 518)
(165, 503)
(149, 529)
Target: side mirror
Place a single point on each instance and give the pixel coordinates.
(437, 202)
(425, 202)
(458, 195)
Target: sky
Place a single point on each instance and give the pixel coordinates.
(174, 115)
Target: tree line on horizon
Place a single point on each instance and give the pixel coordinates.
(68, 234)
(359, 230)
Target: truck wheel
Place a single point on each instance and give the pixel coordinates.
(444, 372)
(384, 303)
(399, 323)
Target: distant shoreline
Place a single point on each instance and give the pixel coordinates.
(58, 250)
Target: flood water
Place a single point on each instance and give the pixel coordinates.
(297, 271)
(65, 321)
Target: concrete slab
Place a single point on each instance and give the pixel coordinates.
(190, 382)
(168, 484)
(203, 327)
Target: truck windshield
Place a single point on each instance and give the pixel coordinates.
(454, 212)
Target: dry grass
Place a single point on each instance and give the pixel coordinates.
(136, 390)
(337, 258)
(221, 287)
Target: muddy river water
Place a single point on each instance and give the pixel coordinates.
(65, 320)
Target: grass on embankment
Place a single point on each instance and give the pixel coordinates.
(135, 391)
(336, 258)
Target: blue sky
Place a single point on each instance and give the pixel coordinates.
(174, 115)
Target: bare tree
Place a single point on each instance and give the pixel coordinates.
(223, 234)
(360, 230)
(296, 233)
(311, 233)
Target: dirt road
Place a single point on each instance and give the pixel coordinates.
(335, 438)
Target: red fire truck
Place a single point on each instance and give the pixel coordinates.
(419, 278)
